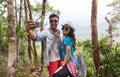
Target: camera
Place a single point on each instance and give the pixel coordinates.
(37, 24)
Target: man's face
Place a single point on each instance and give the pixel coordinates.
(54, 21)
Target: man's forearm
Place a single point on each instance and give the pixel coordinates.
(32, 34)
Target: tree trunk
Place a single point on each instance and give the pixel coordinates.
(29, 42)
(42, 25)
(1, 39)
(35, 55)
(96, 56)
(110, 31)
(17, 39)
(19, 26)
(11, 38)
(34, 47)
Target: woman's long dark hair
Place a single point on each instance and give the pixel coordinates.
(72, 36)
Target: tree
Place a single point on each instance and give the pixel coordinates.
(96, 56)
(114, 19)
(115, 13)
(110, 30)
(42, 26)
(12, 39)
(28, 38)
(34, 47)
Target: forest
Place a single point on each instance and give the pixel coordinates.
(22, 57)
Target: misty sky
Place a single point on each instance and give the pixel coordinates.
(79, 11)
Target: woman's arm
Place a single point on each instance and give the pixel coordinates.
(66, 58)
(67, 55)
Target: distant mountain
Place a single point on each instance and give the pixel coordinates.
(84, 32)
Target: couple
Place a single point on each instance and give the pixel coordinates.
(57, 53)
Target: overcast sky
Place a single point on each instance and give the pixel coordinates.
(79, 11)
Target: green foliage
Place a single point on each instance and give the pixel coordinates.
(3, 28)
(114, 3)
(1, 1)
(110, 62)
(115, 12)
(23, 68)
(103, 43)
(37, 9)
(21, 32)
(114, 60)
(109, 57)
(21, 71)
(85, 47)
(3, 64)
(51, 10)
(3, 38)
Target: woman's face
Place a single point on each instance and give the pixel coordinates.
(65, 30)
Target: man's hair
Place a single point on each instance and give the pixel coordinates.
(53, 15)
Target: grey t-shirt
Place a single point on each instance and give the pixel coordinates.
(54, 52)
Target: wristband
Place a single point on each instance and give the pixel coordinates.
(62, 65)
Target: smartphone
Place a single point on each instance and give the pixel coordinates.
(37, 24)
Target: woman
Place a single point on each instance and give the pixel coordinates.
(67, 50)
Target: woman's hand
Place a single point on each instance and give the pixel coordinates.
(58, 69)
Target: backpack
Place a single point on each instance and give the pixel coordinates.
(80, 64)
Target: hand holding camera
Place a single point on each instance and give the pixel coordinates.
(31, 25)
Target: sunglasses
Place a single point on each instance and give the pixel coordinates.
(53, 20)
(65, 28)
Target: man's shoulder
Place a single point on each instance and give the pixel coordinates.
(49, 31)
(46, 30)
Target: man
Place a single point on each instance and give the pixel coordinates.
(52, 39)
